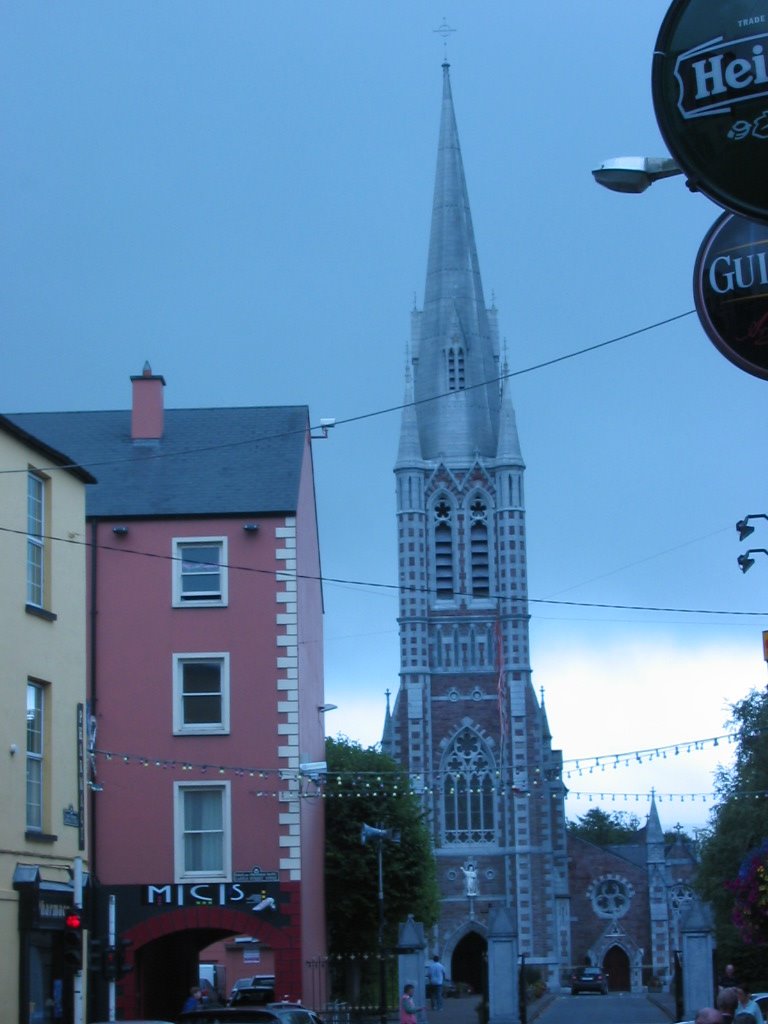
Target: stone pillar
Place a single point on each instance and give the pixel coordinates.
(503, 970)
(411, 960)
(696, 934)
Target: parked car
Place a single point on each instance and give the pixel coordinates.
(761, 998)
(253, 995)
(276, 1013)
(589, 979)
(263, 981)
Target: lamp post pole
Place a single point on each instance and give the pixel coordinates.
(380, 834)
(382, 965)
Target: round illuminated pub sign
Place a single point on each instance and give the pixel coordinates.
(710, 94)
(730, 285)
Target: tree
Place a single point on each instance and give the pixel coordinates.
(738, 826)
(367, 787)
(605, 828)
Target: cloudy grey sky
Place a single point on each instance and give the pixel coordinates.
(240, 193)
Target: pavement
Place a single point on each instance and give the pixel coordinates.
(464, 1009)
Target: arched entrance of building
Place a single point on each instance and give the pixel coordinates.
(166, 949)
(468, 962)
(616, 966)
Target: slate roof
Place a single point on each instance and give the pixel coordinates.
(228, 461)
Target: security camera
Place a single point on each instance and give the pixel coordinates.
(314, 767)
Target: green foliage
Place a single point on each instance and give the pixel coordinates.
(351, 868)
(738, 824)
(605, 829)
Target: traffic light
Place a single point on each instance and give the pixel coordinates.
(123, 967)
(109, 964)
(73, 940)
(95, 956)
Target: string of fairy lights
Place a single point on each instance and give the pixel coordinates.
(292, 783)
(296, 783)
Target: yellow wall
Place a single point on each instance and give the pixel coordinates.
(48, 651)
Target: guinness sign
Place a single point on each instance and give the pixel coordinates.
(710, 94)
(731, 291)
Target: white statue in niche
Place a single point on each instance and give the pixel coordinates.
(470, 879)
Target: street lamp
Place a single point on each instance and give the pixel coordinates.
(744, 529)
(743, 524)
(635, 173)
(380, 834)
(745, 562)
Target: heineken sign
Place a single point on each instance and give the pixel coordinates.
(710, 94)
(731, 291)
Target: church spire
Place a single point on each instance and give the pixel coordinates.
(508, 453)
(455, 351)
(409, 452)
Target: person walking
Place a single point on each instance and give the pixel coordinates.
(435, 980)
(408, 1007)
(746, 1003)
(727, 1002)
(194, 1000)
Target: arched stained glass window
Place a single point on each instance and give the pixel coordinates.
(468, 801)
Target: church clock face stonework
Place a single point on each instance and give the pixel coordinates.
(466, 723)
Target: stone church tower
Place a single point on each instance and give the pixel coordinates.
(466, 722)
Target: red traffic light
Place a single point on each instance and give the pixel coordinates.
(73, 940)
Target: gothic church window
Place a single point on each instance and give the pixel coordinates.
(468, 804)
(443, 534)
(610, 896)
(680, 897)
(456, 380)
(479, 556)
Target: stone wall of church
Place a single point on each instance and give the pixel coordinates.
(608, 892)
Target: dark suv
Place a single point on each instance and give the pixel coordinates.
(274, 1013)
(252, 995)
(589, 979)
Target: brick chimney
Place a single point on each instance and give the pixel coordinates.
(147, 409)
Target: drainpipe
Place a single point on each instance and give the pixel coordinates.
(94, 690)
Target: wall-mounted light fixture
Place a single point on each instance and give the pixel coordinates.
(251, 527)
(326, 424)
(322, 708)
(120, 531)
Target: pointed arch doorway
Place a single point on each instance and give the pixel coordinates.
(468, 962)
(616, 966)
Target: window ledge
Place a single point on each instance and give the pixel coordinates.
(41, 613)
(33, 836)
(199, 604)
(209, 730)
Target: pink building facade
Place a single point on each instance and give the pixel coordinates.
(206, 689)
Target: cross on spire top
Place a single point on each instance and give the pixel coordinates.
(444, 30)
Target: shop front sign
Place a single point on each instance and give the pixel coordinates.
(710, 94)
(239, 895)
(731, 291)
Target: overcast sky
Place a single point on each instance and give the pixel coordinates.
(240, 193)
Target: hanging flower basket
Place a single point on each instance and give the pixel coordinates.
(750, 890)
